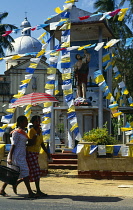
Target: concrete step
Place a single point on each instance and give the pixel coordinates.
(63, 166)
(64, 161)
(64, 156)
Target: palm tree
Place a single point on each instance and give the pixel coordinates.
(104, 5)
(5, 42)
(130, 10)
(119, 28)
(123, 56)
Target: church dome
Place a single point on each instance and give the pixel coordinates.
(25, 23)
(25, 43)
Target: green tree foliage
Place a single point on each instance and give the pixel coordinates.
(129, 16)
(99, 136)
(123, 55)
(5, 42)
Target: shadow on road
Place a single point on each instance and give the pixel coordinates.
(73, 198)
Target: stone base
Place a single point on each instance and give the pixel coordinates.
(106, 175)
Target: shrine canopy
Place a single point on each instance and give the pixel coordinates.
(82, 30)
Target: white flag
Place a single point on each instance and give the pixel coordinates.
(51, 77)
(53, 59)
(102, 149)
(46, 126)
(47, 109)
(53, 25)
(50, 92)
(70, 103)
(28, 76)
(66, 71)
(99, 45)
(67, 87)
(35, 60)
(78, 137)
(73, 121)
(79, 147)
(121, 84)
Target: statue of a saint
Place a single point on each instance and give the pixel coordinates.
(81, 70)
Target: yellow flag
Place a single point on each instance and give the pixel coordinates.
(57, 53)
(99, 79)
(71, 109)
(118, 76)
(65, 60)
(125, 92)
(57, 10)
(16, 57)
(73, 127)
(130, 154)
(107, 46)
(67, 92)
(28, 107)
(126, 129)
(109, 96)
(56, 92)
(66, 26)
(122, 14)
(4, 126)
(33, 65)
(25, 81)
(70, 1)
(66, 76)
(1, 59)
(86, 150)
(114, 108)
(81, 48)
(19, 95)
(47, 121)
(11, 110)
(65, 19)
(40, 53)
(40, 37)
(109, 148)
(46, 137)
(106, 58)
(47, 104)
(43, 42)
(117, 114)
(51, 70)
(14, 125)
(49, 86)
(28, 112)
(66, 44)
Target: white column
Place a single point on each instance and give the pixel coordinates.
(100, 107)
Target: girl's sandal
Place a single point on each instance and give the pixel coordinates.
(15, 186)
(41, 194)
(4, 194)
(32, 196)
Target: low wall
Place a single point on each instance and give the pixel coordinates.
(42, 159)
(91, 166)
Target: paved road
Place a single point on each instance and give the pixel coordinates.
(66, 203)
(73, 193)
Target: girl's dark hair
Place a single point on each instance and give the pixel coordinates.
(77, 56)
(34, 118)
(21, 119)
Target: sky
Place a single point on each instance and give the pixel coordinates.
(36, 13)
